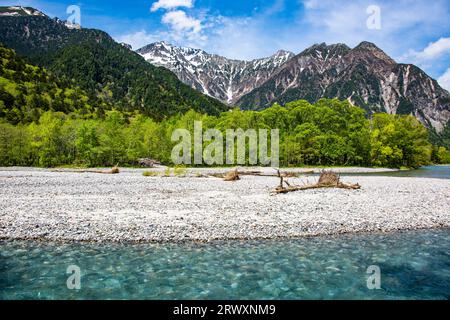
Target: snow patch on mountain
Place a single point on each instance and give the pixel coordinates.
(224, 79)
(15, 11)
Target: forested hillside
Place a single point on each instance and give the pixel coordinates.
(103, 67)
(26, 91)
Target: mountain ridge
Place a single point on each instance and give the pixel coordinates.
(364, 75)
(214, 75)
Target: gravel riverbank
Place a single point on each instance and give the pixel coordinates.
(46, 205)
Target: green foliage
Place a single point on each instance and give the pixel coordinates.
(331, 132)
(180, 171)
(440, 155)
(405, 107)
(151, 173)
(399, 141)
(167, 172)
(15, 145)
(27, 91)
(441, 139)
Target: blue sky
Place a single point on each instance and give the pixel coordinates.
(411, 31)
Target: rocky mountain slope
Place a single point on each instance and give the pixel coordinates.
(225, 79)
(364, 75)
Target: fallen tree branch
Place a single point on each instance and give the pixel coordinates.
(114, 170)
(328, 179)
(258, 174)
(232, 176)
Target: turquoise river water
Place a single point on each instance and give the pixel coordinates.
(413, 265)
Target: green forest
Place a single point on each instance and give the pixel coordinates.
(330, 132)
(26, 91)
(48, 121)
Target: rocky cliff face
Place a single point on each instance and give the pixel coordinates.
(365, 75)
(225, 79)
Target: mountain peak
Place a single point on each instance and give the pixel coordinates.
(364, 74)
(163, 43)
(278, 58)
(339, 46)
(164, 46)
(214, 75)
(19, 11)
(158, 44)
(319, 45)
(323, 50)
(282, 53)
(367, 46)
(372, 49)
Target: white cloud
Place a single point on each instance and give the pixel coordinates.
(171, 4)
(311, 4)
(434, 49)
(183, 28)
(240, 38)
(259, 34)
(179, 21)
(346, 21)
(138, 39)
(433, 57)
(444, 80)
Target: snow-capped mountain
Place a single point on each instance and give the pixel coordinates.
(20, 11)
(17, 11)
(224, 79)
(365, 75)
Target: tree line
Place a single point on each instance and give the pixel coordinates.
(329, 132)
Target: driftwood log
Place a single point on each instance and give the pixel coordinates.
(256, 174)
(114, 170)
(328, 179)
(232, 176)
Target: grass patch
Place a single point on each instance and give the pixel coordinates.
(150, 173)
(180, 171)
(167, 172)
